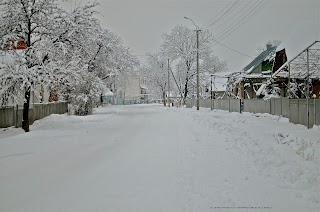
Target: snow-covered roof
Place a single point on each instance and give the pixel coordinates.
(108, 92)
(302, 37)
(266, 55)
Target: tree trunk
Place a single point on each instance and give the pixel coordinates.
(26, 104)
(164, 98)
(186, 88)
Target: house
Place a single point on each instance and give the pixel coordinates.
(246, 83)
(297, 60)
(219, 86)
(135, 90)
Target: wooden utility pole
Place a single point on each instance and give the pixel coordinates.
(198, 86)
(168, 84)
(308, 89)
(211, 94)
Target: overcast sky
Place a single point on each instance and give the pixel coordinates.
(142, 22)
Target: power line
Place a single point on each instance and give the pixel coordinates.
(234, 16)
(261, 5)
(233, 49)
(212, 19)
(230, 9)
(241, 18)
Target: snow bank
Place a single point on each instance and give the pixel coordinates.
(287, 155)
(60, 122)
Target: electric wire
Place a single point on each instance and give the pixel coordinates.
(212, 19)
(261, 5)
(234, 16)
(230, 9)
(241, 18)
(249, 13)
(231, 49)
(248, 18)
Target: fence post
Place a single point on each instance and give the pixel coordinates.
(299, 111)
(314, 112)
(289, 109)
(229, 105)
(13, 116)
(281, 107)
(17, 116)
(240, 106)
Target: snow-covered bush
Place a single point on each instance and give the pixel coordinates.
(83, 93)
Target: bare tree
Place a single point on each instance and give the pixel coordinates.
(157, 74)
(180, 45)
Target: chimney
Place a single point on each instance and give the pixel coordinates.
(269, 46)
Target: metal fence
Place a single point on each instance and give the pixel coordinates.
(12, 116)
(296, 110)
(122, 101)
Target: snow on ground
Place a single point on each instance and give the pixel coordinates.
(285, 154)
(151, 158)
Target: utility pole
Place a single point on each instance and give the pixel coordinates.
(308, 89)
(114, 89)
(211, 94)
(168, 84)
(198, 86)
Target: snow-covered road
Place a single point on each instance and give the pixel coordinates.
(151, 158)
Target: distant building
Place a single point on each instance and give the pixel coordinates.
(135, 91)
(219, 86)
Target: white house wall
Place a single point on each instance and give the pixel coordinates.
(133, 90)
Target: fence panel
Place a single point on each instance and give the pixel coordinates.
(216, 104)
(276, 106)
(189, 103)
(201, 103)
(235, 105)
(302, 113)
(317, 112)
(224, 104)
(293, 109)
(311, 113)
(7, 117)
(13, 117)
(257, 106)
(285, 112)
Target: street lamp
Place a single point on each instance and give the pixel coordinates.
(198, 88)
